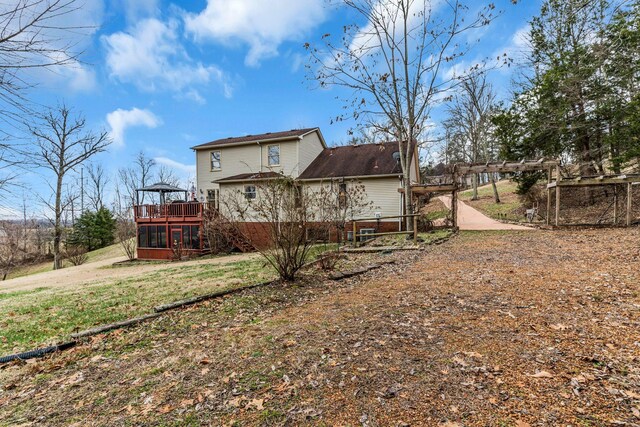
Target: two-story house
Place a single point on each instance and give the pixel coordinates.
(238, 164)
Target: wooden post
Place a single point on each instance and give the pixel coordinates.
(548, 221)
(415, 230)
(353, 236)
(454, 209)
(557, 195)
(615, 205)
(629, 191)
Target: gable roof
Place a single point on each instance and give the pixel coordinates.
(263, 137)
(355, 160)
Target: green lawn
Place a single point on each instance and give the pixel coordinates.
(44, 316)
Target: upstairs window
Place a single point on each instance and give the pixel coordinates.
(273, 152)
(215, 161)
(250, 192)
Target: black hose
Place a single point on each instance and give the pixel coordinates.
(37, 352)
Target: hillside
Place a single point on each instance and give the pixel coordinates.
(578, 206)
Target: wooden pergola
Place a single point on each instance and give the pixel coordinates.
(552, 167)
(628, 180)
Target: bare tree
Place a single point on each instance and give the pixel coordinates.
(469, 123)
(97, 185)
(285, 211)
(394, 65)
(31, 37)
(337, 203)
(131, 178)
(60, 145)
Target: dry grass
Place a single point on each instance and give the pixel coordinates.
(489, 329)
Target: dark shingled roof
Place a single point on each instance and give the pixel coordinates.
(251, 177)
(354, 160)
(293, 133)
(161, 187)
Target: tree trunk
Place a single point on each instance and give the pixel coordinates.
(57, 231)
(496, 196)
(474, 182)
(408, 205)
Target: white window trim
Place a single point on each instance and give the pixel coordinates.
(269, 157)
(219, 160)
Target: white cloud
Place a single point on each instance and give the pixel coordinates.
(119, 120)
(518, 47)
(189, 170)
(135, 10)
(262, 25)
(151, 56)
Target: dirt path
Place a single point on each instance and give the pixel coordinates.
(100, 271)
(472, 219)
(488, 329)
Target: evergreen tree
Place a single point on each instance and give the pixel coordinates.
(93, 230)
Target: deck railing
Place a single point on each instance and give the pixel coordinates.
(172, 210)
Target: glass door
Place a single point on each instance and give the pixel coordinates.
(176, 237)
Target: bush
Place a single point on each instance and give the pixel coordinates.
(76, 254)
(126, 236)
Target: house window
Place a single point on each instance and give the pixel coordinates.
(273, 152)
(213, 197)
(151, 236)
(215, 161)
(250, 192)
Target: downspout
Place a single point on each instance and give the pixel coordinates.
(260, 145)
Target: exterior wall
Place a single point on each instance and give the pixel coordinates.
(259, 232)
(295, 156)
(308, 149)
(382, 194)
(233, 161)
(166, 253)
(288, 158)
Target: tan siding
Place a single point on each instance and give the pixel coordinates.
(288, 158)
(309, 148)
(233, 161)
(382, 193)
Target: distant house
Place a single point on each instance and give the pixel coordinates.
(238, 164)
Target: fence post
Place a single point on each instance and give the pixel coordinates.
(353, 235)
(415, 230)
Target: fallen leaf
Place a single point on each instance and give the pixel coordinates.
(473, 354)
(522, 424)
(165, 409)
(257, 404)
(541, 374)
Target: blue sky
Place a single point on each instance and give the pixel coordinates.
(163, 76)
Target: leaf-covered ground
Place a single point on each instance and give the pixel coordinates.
(488, 329)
